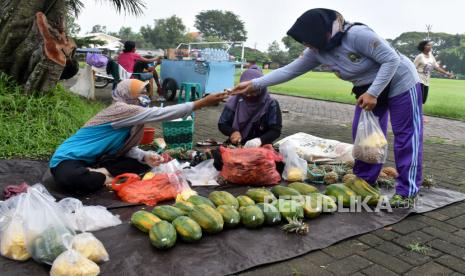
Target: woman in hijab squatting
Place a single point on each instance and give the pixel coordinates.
(107, 145)
(384, 80)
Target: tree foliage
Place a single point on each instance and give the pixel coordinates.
(222, 24)
(294, 48)
(448, 48)
(165, 33)
(99, 29)
(276, 54)
(250, 54)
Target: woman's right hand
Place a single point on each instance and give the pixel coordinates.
(243, 87)
(235, 138)
(210, 100)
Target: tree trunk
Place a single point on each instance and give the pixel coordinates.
(33, 44)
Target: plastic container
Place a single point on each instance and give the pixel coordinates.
(179, 133)
(149, 134)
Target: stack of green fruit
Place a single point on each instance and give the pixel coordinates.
(188, 220)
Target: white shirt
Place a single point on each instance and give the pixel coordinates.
(425, 65)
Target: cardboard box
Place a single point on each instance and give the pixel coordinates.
(177, 53)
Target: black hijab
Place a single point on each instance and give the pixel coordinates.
(314, 27)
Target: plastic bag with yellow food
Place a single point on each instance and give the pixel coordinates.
(90, 247)
(370, 145)
(73, 263)
(295, 169)
(12, 238)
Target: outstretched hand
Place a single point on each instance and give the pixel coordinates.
(243, 87)
(210, 100)
(152, 159)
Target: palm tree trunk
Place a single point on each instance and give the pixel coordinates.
(33, 45)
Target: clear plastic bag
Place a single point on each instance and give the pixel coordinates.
(87, 218)
(296, 167)
(370, 144)
(45, 224)
(204, 174)
(90, 247)
(12, 237)
(72, 263)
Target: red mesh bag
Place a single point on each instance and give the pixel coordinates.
(251, 166)
(130, 188)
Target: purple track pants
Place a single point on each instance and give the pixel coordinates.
(407, 125)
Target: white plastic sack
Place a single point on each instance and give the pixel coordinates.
(87, 218)
(90, 247)
(84, 85)
(12, 237)
(295, 168)
(370, 144)
(45, 224)
(204, 174)
(316, 149)
(73, 263)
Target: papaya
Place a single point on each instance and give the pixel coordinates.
(271, 213)
(364, 190)
(210, 220)
(251, 216)
(341, 193)
(167, 212)
(260, 195)
(144, 220)
(185, 206)
(311, 209)
(323, 202)
(303, 188)
(230, 215)
(163, 235)
(245, 201)
(197, 200)
(187, 229)
(285, 192)
(223, 198)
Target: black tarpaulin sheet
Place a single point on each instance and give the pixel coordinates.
(228, 252)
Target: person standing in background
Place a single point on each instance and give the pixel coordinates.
(425, 64)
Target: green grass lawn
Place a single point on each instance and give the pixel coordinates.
(34, 126)
(446, 97)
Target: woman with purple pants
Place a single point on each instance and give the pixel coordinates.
(385, 81)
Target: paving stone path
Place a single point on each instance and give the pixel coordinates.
(427, 244)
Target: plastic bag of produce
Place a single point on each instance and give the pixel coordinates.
(12, 238)
(370, 144)
(45, 224)
(90, 247)
(296, 167)
(130, 188)
(73, 263)
(204, 174)
(87, 218)
(250, 166)
(96, 60)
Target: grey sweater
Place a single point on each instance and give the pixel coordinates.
(363, 58)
